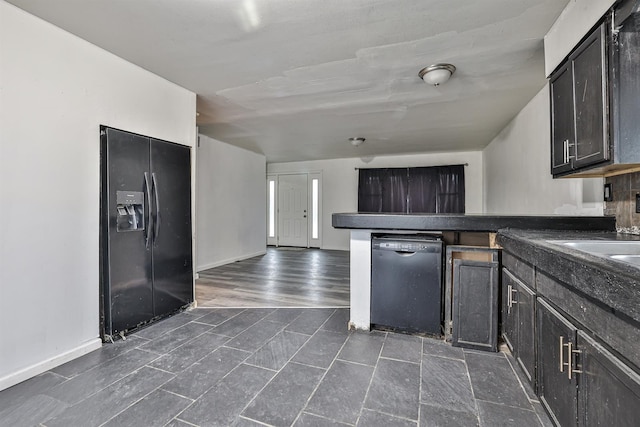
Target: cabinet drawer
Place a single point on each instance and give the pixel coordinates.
(519, 268)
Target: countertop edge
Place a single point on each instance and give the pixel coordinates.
(470, 222)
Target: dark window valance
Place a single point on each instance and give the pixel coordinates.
(435, 189)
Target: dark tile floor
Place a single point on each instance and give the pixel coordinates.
(279, 367)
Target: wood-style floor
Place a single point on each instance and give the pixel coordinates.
(283, 277)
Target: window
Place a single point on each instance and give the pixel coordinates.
(437, 189)
(314, 208)
(272, 208)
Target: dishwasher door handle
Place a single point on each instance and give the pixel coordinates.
(405, 253)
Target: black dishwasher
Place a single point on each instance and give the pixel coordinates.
(406, 283)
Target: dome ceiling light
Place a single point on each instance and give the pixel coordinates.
(356, 141)
(437, 74)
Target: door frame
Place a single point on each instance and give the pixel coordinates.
(312, 241)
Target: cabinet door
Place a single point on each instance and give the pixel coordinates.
(525, 347)
(562, 120)
(589, 68)
(475, 304)
(509, 313)
(609, 391)
(556, 387)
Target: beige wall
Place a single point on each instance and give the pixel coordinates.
(230, 204)
(572, 25)
(55, 92)
(340, 183)
(517, 177)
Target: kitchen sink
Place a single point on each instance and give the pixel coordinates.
(602, 247)
(627, 251)
(631, 259)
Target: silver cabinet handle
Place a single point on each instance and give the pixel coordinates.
(569, 145)
(510, 301)
(570, 358)
(571, 353)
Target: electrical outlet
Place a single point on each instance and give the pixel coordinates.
(637, 202)
(608, 193)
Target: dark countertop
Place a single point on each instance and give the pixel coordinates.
(470, 222)
(608, 282)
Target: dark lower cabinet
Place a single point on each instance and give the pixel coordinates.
(518, 323)
(525, 354)
(581, 359)
(557, 384)
(475, 304)
(509, 314)
(609, 391)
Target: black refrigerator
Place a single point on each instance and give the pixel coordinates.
(146, 260)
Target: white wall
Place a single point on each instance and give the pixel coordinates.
(572, 25)
(55, 91)
(517, 177)
(231, 205)
(340, 183)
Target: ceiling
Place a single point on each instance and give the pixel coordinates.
(294, 79)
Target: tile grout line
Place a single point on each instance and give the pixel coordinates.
(255, 421)
(531, 402)
(508, 406)
(473, 393)
(315, 389)
(244, 362)
(420, 388)
(373, 374)
(182, 421)
(137, 401)
(285, 364)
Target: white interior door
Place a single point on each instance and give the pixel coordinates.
(292, 210)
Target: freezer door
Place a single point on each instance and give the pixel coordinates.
(171, 211)
(125, 259)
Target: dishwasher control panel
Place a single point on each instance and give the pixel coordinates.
(399, 244)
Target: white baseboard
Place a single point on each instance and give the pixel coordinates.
(229, 261)
(40, 367)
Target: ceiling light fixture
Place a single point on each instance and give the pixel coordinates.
(437, 74)
(356, 141)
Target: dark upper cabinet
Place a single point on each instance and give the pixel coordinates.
(589, 66)
(562, 124)
(579, 107)
(625, 83)
(594, 100)
(557, 384)
(609, 391)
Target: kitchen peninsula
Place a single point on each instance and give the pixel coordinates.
(467, 229)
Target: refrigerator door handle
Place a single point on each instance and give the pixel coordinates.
(147, 192)
(157, 218)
